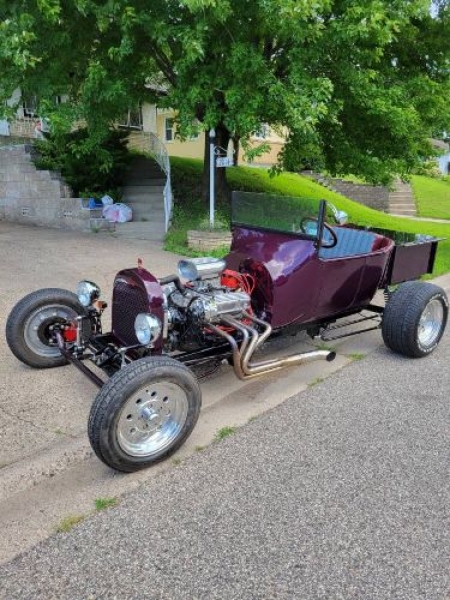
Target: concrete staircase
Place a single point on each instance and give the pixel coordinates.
(401, 200)
(143, 192)
(373, 196)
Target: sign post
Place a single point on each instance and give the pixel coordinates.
(212, 166)
(217, 158)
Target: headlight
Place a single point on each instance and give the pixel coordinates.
(147, 328)
(87, 293)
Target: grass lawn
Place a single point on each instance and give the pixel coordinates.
(432, 196)
(189, 210)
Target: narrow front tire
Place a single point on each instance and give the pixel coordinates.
(144, 413)
(29, 326)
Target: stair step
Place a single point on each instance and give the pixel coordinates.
(137, 190)
(153, 208)
(402, 205)
(153, 216)
(157, 201)
(402, 197)
(146, 175)
(146, 170)
(145, 181)
(141, 231)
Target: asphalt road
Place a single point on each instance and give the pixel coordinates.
(341, 492)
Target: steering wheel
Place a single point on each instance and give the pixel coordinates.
(311, 223)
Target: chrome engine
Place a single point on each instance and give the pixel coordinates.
(201, 301)
(208, 305)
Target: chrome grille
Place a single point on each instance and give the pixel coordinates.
(129, 300)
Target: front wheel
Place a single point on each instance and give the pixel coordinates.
(414, 319)
(29, 328)
(144, 413)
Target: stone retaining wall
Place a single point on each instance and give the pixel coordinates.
(373, 196)
(34, 197)
(208, 240)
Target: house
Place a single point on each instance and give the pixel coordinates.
(147, 118)
(443, 160)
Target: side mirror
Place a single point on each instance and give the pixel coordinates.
(340, 216)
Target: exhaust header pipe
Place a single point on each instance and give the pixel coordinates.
(251, 340)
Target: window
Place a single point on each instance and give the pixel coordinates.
(132, 119)
(29, 107)
(196, 134)
(168, 130)
(263, 132)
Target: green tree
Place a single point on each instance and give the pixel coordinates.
(363, 83)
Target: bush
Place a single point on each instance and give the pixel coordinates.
(90, 168)
(428, 168)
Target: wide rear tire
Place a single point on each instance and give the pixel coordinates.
(144, 413)
(414, 319)
(28, 328)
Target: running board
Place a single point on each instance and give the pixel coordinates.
(325, 338)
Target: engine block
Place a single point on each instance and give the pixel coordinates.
(206, 305)
(216, 304)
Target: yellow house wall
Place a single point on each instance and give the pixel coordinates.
(188, 149)
(196, 148)
(268, 158)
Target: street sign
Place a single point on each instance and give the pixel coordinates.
(224, 161)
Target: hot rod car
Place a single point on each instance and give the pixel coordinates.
(292, 265)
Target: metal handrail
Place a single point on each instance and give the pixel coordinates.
(151, 144)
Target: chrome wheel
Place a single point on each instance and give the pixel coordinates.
(144, 413)
(29, 327)
(431, 323)
(414, 318)
(37, 329)
(152, 419)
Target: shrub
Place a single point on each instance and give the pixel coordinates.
(90, 168)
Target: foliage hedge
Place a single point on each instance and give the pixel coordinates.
(90, 170)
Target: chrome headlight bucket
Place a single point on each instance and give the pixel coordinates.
(87, 292)
(147, 328)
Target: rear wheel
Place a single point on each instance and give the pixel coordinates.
(29, 326)
(415, 318)
(144, 413)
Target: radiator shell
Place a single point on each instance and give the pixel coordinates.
(135, 291)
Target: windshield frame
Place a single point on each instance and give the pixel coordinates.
(238, 220)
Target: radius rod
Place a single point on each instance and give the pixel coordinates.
(252, 340)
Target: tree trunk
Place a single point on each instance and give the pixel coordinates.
(222, 191)
(236, 148)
